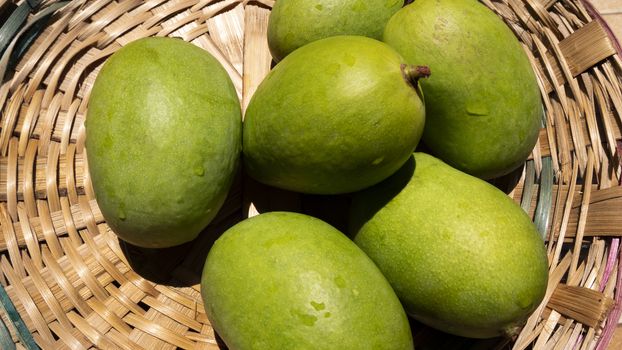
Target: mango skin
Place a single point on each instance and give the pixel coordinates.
(295, 23)
(460, 254)
(483, 104)
(335, 116)
(284, 281)
(163, 138)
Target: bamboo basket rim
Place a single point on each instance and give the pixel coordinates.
(67, 282)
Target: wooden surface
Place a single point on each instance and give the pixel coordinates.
(611, 10)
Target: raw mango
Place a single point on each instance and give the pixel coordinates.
(337, 115)
(460, 254)
(295, 23)
(289, 281)
(163, 137)
(482, 102)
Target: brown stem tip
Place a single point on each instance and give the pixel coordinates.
(412, 73)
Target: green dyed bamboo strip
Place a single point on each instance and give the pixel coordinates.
(22, 331)
(545, 200)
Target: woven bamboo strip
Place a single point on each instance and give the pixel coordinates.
(581, 304)
(70, 170)
(595, 268)
(58, 222)
(562, 336)
(69, 337)
(587, 46)
(227, 31)
(67, 287)
(256, 55)
(582, 215)
(564, 220)
(93, 303)
(545, 139)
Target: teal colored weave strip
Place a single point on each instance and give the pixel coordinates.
(22, 331)
(15, 22)
(6, 10)
(30, 35)
(545, 199)
(545, 191)
(25, 36)
(530, 173)
(6, 342)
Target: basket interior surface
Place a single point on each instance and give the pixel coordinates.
(68, 283)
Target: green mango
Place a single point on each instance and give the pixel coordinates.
(295, 23)
(460, 254)
(163, 137)
(284, 281)
(483, 104)
(338, 115)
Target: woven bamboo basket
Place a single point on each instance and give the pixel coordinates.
(66, 281)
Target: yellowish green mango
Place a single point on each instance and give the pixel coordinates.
(295, 23)
(460, 254)
(289, 281)
(336, 116)
(163, 138)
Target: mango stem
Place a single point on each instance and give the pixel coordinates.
(412, 73)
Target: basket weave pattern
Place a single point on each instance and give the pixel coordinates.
(74, 286)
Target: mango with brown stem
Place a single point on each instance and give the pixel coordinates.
(483, 104)
(336, 116)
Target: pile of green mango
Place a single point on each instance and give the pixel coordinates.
(360, 87)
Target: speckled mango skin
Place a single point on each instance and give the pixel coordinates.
(335, 116)
(163, 138)
(460, 254)
(482, 101)
(295, 23)
(289, 281)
